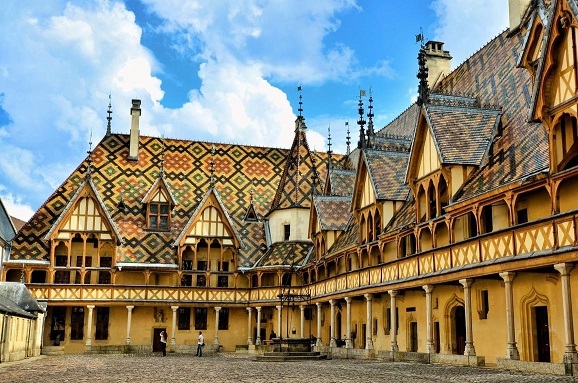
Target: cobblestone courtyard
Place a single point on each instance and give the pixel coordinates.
(237, 368)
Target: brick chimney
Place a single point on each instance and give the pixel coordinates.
(517, 9)
(437, 61)
(134, 130)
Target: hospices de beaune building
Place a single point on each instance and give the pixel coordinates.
(449, 235)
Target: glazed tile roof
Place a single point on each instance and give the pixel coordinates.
(238, 170)
(332, 212)
(341, 182)
(287, 253)
(403, 126)
(387, 172)
(492, 76)
(462, 133)
(346, 240)
(404, 217)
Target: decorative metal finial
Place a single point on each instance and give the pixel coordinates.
(251, 196)
(423, 88)
(362, 144)
(109, 118)
(315, 176)
(299, 89)
(348, 138)
(370, 131)
(212, 165)
(329, 152)
(89, 160)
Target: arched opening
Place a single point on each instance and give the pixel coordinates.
(432, 200)
(370, 228)
(407, 245)
(377, 220)
(565, 133)
(422, 204)
(532, 205)
(459, 315)
(465, 227)
(567, 192)
(443, 193)
(425, 239)
(442, 234)
(38, 276)
(362, 230)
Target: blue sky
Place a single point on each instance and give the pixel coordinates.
(220, 71)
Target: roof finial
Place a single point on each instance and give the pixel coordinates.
(315, 176)
(162, 169)
(361, 122)
(299, 89)
(109, 118)
(370, 132)
(329, 152)
(348, 138)
(423, 89)
(212, 165)
(89, 160)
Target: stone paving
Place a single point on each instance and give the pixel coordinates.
(241, 368)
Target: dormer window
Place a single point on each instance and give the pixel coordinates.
(158, 216)
(286, 232)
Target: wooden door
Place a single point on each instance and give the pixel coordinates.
(460, 326)
(157, 339)
(542, 333)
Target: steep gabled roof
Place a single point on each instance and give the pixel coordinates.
(461, 130)
(340, 182)
(332, 212)
(160, 183)
(347, 240)
(212, 192)
(300, 179)
(387, 171)
(7, 229)
(86, 186)
(286, 254)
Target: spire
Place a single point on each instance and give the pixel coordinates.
(315, 177)
(423, 89)
(348, 138)
(370, 132)
(109, 118)
(329, 152)
(300, 122)
(212, 163)
(89, 160)
(361, 144)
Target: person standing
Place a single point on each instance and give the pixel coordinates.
(164, 342)
(200, 344)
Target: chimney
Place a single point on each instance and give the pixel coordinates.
(134, 130)
(517, 9)
(437, 61)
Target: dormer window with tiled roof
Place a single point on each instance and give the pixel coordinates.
(159, 203)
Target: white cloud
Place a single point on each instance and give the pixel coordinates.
(14, 205)
(469, 26)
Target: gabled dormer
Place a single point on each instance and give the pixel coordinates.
(533, 45)
(555, 92)
(159, 201)
(452, 139)
(328, 218)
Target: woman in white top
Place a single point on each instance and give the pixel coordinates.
(200, 344)
(164, 342)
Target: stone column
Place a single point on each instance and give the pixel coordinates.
(332, 342)
(319, 343)
(348, 342)
(249, 323)
(216, 339)
(258, 337)
(512, 349)
(128, 322)
(469, 349)
(570, 355)
(393, 321)
(279, 320)
(429, 318)
(174, 328)
(302, 308)
(369, 326)
(89, 326)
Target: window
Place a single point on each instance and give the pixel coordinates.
(201, 265)
(77, 323)
(487, 219)
(223, 266)
(522, 215)
(158, 215)
(201, 280)
(187, 265)
(105, 261)
(200, 319)
(286, 279)
(184, 318)
(187, 280)
(104, 278)
(287, 232)
(102, 317)
(223, 281)
(58, 323)
(61, 260)
(224, 319)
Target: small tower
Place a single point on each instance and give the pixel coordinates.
(437, 62)
(370, 131)
(423, 89)
(329, 151)
(348, 139)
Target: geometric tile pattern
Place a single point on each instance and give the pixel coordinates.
(186, 164)
(333, 213)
